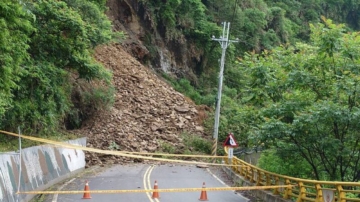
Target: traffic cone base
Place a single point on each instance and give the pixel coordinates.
(203, 195)
(86, 194)
(155, 193)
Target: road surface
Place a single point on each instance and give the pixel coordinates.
(143, 176)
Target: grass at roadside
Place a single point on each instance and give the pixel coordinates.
(195, 144)
(192, 144)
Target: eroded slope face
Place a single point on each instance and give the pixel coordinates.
(147, 111)
(146, 40)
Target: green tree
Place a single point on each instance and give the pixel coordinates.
(178, 19)
(284, 164)
(15, 26)
(57, 45)
(65, 39)
(307, 96)
(98, 26)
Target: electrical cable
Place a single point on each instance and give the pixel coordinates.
(234, 13)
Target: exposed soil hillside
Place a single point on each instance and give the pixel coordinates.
(147, 111)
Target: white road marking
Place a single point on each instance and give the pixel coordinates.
(60, 188)
(222, 182)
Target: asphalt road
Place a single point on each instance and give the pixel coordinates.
(143, 176)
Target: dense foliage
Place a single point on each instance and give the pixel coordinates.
(304, 101)
(291, 83)
(46, 48)
(294, 87)
(15, 27)
(180, 19)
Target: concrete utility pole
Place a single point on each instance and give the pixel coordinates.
(224, 42)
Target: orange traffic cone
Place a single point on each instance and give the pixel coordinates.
(86, 194)
(203, 196)
(155, 193)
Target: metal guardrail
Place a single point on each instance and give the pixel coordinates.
(305, 190)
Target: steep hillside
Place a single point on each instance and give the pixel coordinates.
(147, 43)
(147, 111)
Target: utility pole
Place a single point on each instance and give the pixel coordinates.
(224, 42)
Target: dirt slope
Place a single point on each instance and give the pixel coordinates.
(147, 111)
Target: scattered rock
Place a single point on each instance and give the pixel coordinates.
(202, 166)
(147, 111)
(182, 109)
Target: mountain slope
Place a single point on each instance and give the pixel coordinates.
(147, 111)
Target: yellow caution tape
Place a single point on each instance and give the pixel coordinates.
(169, 155)
(172, 155)
(118, 153)
(157, 190)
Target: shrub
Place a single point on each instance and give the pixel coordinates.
(196, 143)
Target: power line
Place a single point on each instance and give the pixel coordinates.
(234, 13)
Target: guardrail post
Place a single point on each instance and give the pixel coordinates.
(268, 181)
(243, 169)
(235, 165)
(302, 192)
(246, 174)
(258, 181)
(252, 175)
(288, 191)
(226, 160)
(276, 190)
(319, 195)
(238, 166)
(341, 194)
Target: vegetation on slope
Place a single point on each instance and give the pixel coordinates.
(304, 101)
(46, 50)
(298, 98)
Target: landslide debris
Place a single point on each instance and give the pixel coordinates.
(146, 114)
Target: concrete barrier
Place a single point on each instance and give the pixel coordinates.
(41, 167)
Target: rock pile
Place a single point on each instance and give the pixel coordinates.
(147, 111)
